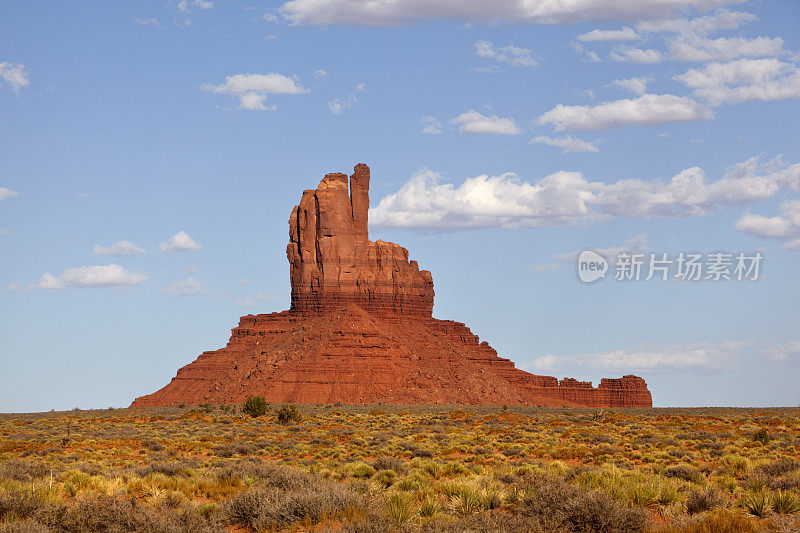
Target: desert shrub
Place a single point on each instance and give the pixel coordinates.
(761, 436)
(23, 470)
(274, 508)
(735, 464)
(756, 503)
(684, 472)
(785, 503)
(229, 450)
(363, 471)
(177, 468)
(18, 505)
(779, 467)
(719, 521)
(558, 505)
(288, 413)
(398, 508)
(467, 501)
(389, 463)
(385, 478)
(644, 495)
(255, 406)
(24, 526)
(705, 500)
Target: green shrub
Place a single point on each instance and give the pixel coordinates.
(756, 503)
(785, 503)
(255, 406)
(289, 413)
(699, 501)
(761, 436)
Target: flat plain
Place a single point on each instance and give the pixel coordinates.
(401, 468)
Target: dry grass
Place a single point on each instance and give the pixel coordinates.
(401, 468)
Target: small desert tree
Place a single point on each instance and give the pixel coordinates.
(289, 413)
(255, 406)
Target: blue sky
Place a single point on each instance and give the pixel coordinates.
(151, 154)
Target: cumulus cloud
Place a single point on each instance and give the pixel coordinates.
(637, 86)
(100, 276)
(649, 358)
(186, 287)
(401, 12)
(473, 122)
(568, 144)
(699, 49)
(15, 75)
(253, 89)
(5, 194)
(744, 79)
(785, 226)
(424, 203)
(627, 54)
(320, 74)
(119, 249)
(510, 55)
(180, 242)
(339, 105)
(623, 34)
(431, 126)
(646, 110)
(721, 19)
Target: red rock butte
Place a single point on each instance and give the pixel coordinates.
(360, 330)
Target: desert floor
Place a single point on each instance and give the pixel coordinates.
(401, 468)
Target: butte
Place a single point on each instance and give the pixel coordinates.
(360, 330)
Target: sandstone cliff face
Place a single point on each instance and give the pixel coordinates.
(332, 262)
(360, 330)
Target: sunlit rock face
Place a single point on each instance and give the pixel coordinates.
(360, 330)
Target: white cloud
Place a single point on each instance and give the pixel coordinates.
(626, 54)
(783, 351)
(253, 89)
(636, 244)
(15, 75)
(566, 198)
(646, 110)
(187, 287)
(148, 21)
(623, 34)
(119, 249)
(320, 74)
(473, 122)
(5, 194)
(99, 276)
(401, 12)
(180, 242)
(510, 55)
(744, 79)
(431, 126)
(649, 358)
(722, 19)
(637, 86)
(699, 49)
(569, 144)
(186, 8)
(591, 57)
(4, 231)
(785, 226)
(339, 105)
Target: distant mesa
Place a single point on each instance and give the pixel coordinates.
(360, 330)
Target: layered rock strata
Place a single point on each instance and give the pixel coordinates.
(360, 330)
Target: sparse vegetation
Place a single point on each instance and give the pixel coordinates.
(400, 468)
(255, 406)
